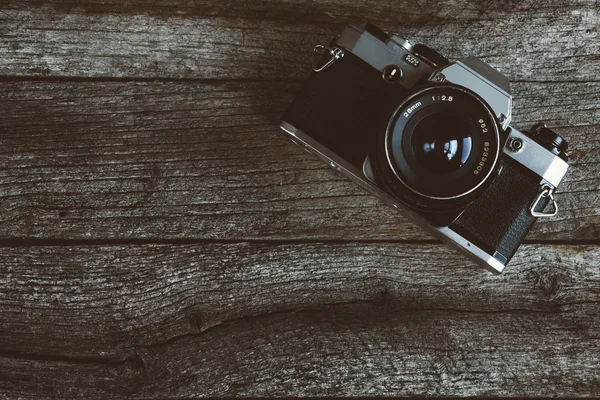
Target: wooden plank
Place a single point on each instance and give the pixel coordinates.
(200, 162)
(537, 41)
(122, 160)
(296, 319)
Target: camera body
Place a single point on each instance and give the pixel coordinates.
(430, 137)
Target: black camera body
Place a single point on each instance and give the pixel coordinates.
(430, 137)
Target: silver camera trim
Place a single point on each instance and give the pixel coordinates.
(469, 72)
(489, 84)
(551, 168)
(381, 55)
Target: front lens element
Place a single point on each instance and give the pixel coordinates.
(441, 143)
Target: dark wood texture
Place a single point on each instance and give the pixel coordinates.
(317, 319)
(266, 40)
(159, 237)
(206, 161)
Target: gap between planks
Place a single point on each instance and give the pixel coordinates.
(40, 242)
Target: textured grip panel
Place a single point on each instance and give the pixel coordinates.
(499, 219)
(341, 106)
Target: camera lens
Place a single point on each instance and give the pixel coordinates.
(441, 143)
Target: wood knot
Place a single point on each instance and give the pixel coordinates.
(550, 284)
(576, 155)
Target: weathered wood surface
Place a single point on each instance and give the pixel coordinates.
(160, 238)
(206, 161)
(248, 319)
(271, 40)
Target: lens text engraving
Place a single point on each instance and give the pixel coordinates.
(412, 108)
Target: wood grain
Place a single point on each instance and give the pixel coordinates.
(551, 41)
(160, 239)
(90, 160)
(296, 319)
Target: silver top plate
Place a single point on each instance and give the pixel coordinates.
(469, 72)
(380, 55)
(475, 75)
(549, 167)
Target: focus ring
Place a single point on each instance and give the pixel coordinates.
(402, 174)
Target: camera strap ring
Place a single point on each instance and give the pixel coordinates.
(545, 192)
(335, 54)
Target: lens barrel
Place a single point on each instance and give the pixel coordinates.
(439, 146)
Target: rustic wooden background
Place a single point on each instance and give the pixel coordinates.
(160, 238)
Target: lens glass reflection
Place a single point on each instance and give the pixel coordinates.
(441, 142)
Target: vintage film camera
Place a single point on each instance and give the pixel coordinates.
(430, 137)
